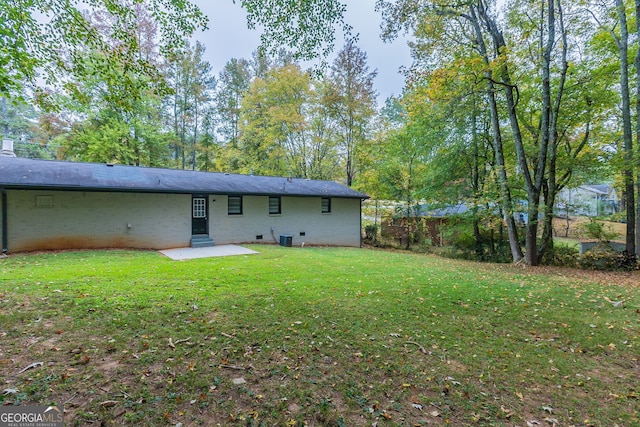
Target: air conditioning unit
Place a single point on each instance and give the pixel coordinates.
(286, 240)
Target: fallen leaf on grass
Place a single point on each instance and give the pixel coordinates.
(108, 403)
(417, 406)
(508, 413)
(434, 413)
(7, 391)
(32, 366)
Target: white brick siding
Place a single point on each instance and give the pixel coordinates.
(341, 227)
(76, 219)
(79, 219)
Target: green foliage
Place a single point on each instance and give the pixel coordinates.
(488, 245)
(190, 115)
(562, 255)
(349, 99)
(57, 37)
(308, 26)
(111, 140)
(371, 232)
(284, 129)
(604, 258)
(519, 105)
(274, 130)
(596, 230)
(234, 81)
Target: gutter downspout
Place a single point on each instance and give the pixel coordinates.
(361, 200)
(5, 237)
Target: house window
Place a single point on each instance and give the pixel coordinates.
(275, 207)
(326, 205)
(235, 205)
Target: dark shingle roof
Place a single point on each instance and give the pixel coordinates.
(431, 212)
(57, 175)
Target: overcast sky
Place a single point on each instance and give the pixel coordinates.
(228, 37)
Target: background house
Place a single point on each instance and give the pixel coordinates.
(420, 222)
(588, 200)
(60, 205)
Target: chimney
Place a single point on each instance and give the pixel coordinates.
(7, 148)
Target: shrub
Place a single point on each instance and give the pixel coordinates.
(562, 256)
(596, 230)
(602, 257)
(489, 248)
(371, 232)
(619, 217)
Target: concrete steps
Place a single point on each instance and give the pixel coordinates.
(201, 241)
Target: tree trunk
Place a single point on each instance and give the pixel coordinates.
(475, 179)
(629, 188)
(533, 194)
(505, 192)
(637, 64)
(551, 188)
(4, 117)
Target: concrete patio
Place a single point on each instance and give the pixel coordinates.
(180, 254)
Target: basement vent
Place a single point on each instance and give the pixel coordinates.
(259, 237)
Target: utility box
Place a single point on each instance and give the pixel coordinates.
(286, 240)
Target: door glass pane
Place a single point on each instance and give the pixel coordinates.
(199, 208)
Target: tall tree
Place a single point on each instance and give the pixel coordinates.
(402, 171)
(351, 101)
(234, 81)
(637, 165)
(193, 83)
(275, 134)
(511, 75)
(613, 19)
(108, 105)
(622, 41)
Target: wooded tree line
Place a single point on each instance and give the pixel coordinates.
(262, 115)
(502, 109)
(519, 103)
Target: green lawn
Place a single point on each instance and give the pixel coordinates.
(317, 336)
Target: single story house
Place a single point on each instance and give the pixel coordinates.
(588, 200)
(63, 205)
